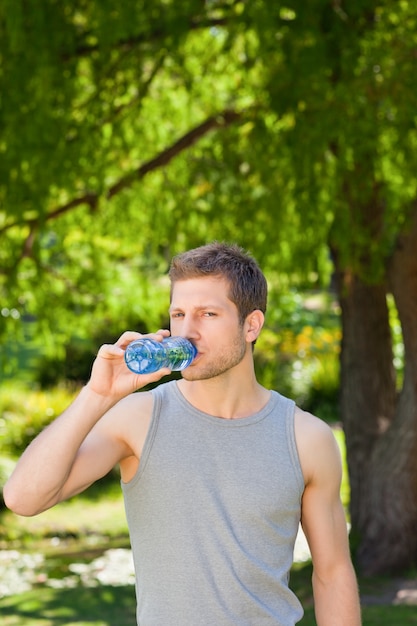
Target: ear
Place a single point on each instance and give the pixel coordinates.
(253, 325)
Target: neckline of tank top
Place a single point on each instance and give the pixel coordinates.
(274, 399)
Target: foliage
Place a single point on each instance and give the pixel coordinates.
(296, 354)
(298, 351)
(24, 413)
(101, 108)
(177, 125)
(398, 343)
(132, 133)
(129, 133)
(6, 468)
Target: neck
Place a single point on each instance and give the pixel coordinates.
(224, 398)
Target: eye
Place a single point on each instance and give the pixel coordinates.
(209, 314)
(177, 314)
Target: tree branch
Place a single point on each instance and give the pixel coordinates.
(193, 23)
(224, 119)
(221, 120)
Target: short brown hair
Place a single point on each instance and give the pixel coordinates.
(248, 286)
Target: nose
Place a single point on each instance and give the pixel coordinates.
(186, 327)
(190, 329)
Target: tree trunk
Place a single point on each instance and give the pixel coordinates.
(367, 381)
(390, 534)
(381, 429)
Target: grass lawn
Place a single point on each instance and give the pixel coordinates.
(97, 514)
(378, 615)
(115, 606)
(95, 522)
(101, 606)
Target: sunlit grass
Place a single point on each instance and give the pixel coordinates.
(99, 515)
(101, 606)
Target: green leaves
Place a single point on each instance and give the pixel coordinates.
(131, 132)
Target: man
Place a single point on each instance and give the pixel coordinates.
(216, 470)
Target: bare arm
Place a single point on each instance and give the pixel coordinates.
(335, 589)
(87, 440)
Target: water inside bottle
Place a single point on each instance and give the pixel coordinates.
(142, 358)
(181, 356)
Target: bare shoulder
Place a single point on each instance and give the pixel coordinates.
(128, 423)
(141, 401)
(308, 425)
(317, 447)
(129, 419)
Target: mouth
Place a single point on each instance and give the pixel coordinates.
(195, 359)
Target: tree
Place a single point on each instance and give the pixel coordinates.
(131, 132)
(372, 239)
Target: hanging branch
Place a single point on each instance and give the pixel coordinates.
(224, 119)
(163, 158)
(221, 120)
(191, 23)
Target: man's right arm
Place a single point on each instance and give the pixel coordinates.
(86, 441)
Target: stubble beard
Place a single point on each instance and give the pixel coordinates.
(230, 357)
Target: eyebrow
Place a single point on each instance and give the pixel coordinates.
(197, 308)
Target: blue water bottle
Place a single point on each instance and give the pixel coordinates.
(144, 356)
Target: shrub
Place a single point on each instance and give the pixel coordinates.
(302, 363)
(6, 467)
(24, 413)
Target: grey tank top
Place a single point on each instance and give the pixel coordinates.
(213, 513)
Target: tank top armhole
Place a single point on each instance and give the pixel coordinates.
(149, 440)
(295, 458)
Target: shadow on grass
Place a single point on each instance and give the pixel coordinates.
(101, 606)
(115, 606)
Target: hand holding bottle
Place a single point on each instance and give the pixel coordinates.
(111, 377)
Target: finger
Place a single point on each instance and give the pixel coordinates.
(145, 379)
(131, 335)
(160, 334)
(127, 337)
(110, 350)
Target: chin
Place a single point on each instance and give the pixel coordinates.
(193, 374)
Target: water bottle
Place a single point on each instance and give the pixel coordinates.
(145, 355)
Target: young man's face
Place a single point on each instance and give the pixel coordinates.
(202, 312)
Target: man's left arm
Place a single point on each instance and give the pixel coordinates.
(335, 590)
